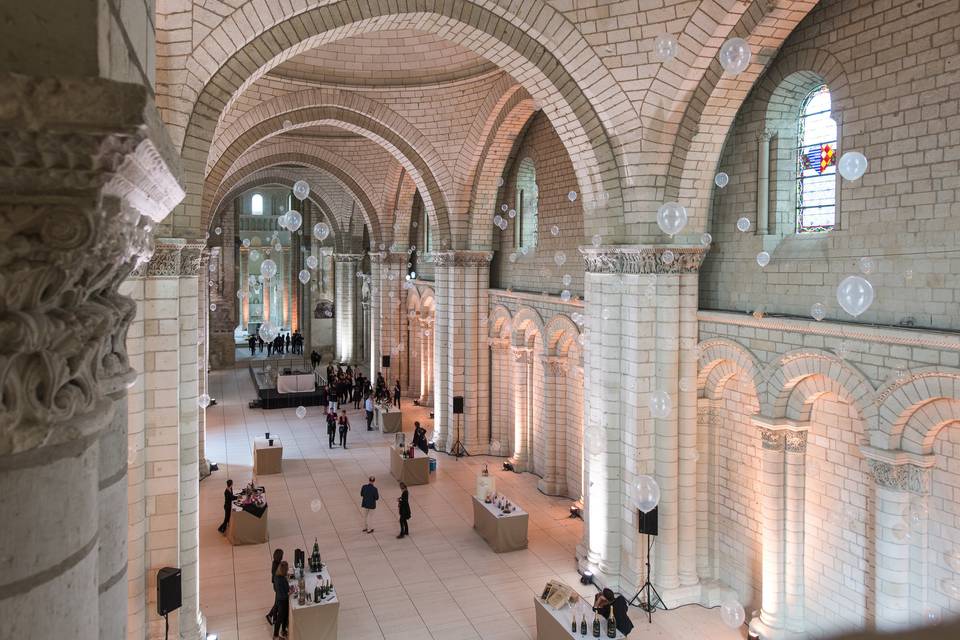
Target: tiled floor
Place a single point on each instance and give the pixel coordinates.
(443, 582)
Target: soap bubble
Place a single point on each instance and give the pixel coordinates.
(931, 616)
(684, 384)
(304, 276)
(735, 55)
(495, 445)
(671, 218)
(212, 267)
(855, 295)
(255, 255)
(646, 494)
(301, 189)
(294, 220)
(665, 47)
(312, 262)
(565, 295)
(852, 165)
(721, 179)
(203, 400)
(660, 404)
(268, 268)
(743, 224)
(908, 275)
(900, 531)
(867, 265)
(732, 614)
(572, 196)
(301, 412)
(321, 230)
(818, 311)
(706, 239)
(763, 258)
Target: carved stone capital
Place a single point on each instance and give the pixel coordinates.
(398, 258)
(166, 258)
(766, 135)
(643, 259)
(190, 258)
(795, 441)
(556, 365)
(462, 258)
(347, 257)
(499, 343)
(771, 440)
(521, 354)
(902, 477)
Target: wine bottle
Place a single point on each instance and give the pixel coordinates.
(583, 625)
(596, 625)
(573, 624)
(611, 625)
(546, 591)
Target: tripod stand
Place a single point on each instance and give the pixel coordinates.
(458, 450)
(653, 599)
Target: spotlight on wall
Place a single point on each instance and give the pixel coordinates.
(575, 511)
(507, 466)
(586, 577)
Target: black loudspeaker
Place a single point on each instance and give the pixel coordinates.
(168, 590)
(648, 521)
(385, 362)
(458, 404)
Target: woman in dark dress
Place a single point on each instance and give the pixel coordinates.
(281, 589)
(403, 504)
(277, 559)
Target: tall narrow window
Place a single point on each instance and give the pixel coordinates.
(256, 204)
(427, 234)
(527, 205)
(816, 164)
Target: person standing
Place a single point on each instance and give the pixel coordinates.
(228, 498)
(281, 590)
(252, 343)
(368, 502)
(331, 426)
(368, 407)
(396, 394)
(270, 346)
(277, 559)
(403, 506)
(344, 424)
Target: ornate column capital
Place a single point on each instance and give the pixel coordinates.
(190, 257)
(556, 365)
(790, 435)
(900, 470)
(795, 441)
(462, 258)
(166, 258)
(521, 354)
(766, 135)
(643, 259)
(347, 257)
(771, 440)
(499, 343)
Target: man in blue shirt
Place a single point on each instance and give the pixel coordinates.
(368, 502)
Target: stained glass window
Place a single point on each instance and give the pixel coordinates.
(256, 204)
(816, 164)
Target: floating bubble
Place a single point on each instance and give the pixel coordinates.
(497, 219)
(684, 384)
(852, 165)
(524, 251)
(671, 218)
(294, 220)
(500, 181)
(218, 230)
(735, 55)
(304, 276)
(301, 189)
(721, 179)
(512, 213)
(855, 295)
(312, 262)
(667, 257)
(268, 268)
(213, 306)
(743, 224)
(596, 240)
(566, 279)
(565, 295)
(665, 47)
(554, 230)
(246, 243)
(513, 257)
(316, 505)
(321, 230)
(287, 124)
(660, 404)
(706, 239)
(763, 258)
(212, 267)
(203, 400)
(301, 412)
(572, 196)
(268, 332)
(818, 311)
(605, 314)
(559, 258)
(646, 494)
(867, 265)
(732, 614)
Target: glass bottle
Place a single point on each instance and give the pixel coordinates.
(596, 625)
(583, 625)
(611, 625)
(573, 623)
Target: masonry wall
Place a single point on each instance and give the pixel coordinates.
(536, 271)
(892, 71)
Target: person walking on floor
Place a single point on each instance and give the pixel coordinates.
(228, 498)
(368, 407)
(344, 424)
(396, 394)
(331, 426)
(252, 343)
(403, 506)
(368, 502)
(277, 559)
(281, 590)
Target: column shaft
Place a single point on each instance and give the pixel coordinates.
(346, 288)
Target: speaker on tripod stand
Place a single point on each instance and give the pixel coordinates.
(647, 597)
(458, 449)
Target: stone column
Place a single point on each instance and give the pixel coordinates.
(553, 427)
(772, 620)
(899, 477)
(203, 358)
(763, 182)
(191, 622)
(387, 270)
(795, 471)
(501, 393)
(462, 283)
(346, 302)
(376, 307)
(414, 378)
(85, 174)
(522, 459)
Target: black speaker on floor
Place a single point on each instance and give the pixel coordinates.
(648, 521)
(168, 590)
(385, 362)
(458, 404)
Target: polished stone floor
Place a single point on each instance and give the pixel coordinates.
(442, 583)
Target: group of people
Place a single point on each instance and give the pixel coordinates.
(337, 423)
(291, 343)
(369, 495)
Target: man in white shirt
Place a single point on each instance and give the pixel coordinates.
(368, 405)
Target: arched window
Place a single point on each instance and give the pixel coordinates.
(525, 234)
(816, 164)
(256, 204)
(427, 234)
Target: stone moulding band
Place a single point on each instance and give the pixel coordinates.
(462, 258)
(643, 259)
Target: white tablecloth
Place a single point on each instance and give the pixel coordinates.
(315, 621)
(295, 383)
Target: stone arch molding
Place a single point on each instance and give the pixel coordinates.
(732, 356)
(527, 324)
(912, 411)
(322, 160)
(500, 322)
(262, 180)
(349, 111)
(559, 333)
(529, 40)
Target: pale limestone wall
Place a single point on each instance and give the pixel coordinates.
(895, 100)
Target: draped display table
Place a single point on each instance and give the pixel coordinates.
(246, 528)
(296, 383)
(486, 485)
(410, 471)
(503, 532)
(267, 458)
(313, 620)
(554, 624)
(388, 421)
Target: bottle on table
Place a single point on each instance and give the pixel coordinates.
(583, 625)
(573, 623)
(596, 625)
(611, 625)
